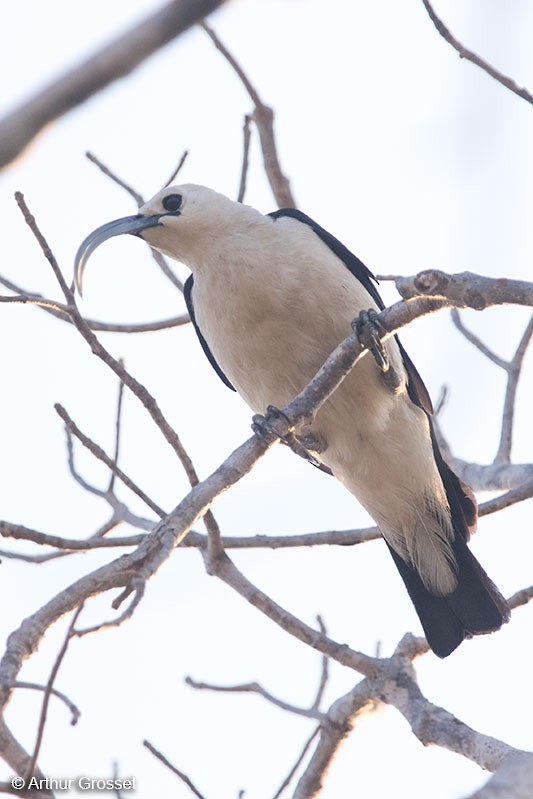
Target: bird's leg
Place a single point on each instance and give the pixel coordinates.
(367, 326)
(306, 445)
(265, 426)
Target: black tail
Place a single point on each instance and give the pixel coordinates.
(476, 606)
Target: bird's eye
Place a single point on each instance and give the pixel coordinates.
(172, 203)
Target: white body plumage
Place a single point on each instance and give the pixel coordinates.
(270, 298)
(273, 301)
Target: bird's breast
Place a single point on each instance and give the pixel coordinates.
(271, 325)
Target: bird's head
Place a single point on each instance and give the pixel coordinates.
(182, 222)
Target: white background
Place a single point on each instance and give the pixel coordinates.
(414, 159)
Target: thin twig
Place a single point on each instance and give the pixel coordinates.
(246, 133)
(256, 688)
(263, 116)
(99, 350)
(514, 370)
(99, 453)
(21, 533)
(286, 782)
(161, 757)
(520, 598)
(118, 421)
(48, 692)
(62, 312)
(509, 83)
(75, 712)
(26, 299)
(117, 792)
(111, 62)
(473, 339)
(137, 587)
(324, 672)
(326, 538)
(177, 170)
(115, 178)
(139, 200)
(519, 494)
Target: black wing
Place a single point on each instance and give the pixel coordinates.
(187, 289)
(356, 267)
(415, 385)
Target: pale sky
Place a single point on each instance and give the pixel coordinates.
(414, 159)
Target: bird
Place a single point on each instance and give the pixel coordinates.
(270, 297)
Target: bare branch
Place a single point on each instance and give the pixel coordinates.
(99, 453)
(473, 339)
(464, 289)
(27, 299)
(118, 422)
(326, 538)
(340, 720)
(160, 756)
(19, 532)
(62, 312)
(75, 712)
(521, 598)
(115, 178)
(434, 725)
(513, 369)
(524, 491)
(160, 259)
(487, 477)
(113, 61)
(17, 757)
(137, 587)
(228, 572)
(286, 782)
(324, 672)
(263, 117)
(140, 327)
(475, 59)
(512, 780)
(245, 157)
(99, 350)
(256, 688)
(47, 693)
(175, 172)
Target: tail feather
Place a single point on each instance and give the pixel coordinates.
(475, 606)
(442, 627)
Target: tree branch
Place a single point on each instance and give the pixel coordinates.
(475, 59)
(464, 289)
(158, 257)
(263, 116)
(161, 757)
(47, 693)
(99, 453)
(113, 61)
(256, 688)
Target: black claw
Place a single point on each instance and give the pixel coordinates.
(265, 425)
(368, 327)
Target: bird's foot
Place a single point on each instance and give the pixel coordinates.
(368, 328)
(273, 423)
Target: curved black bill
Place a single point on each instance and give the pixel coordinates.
(128, 224)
